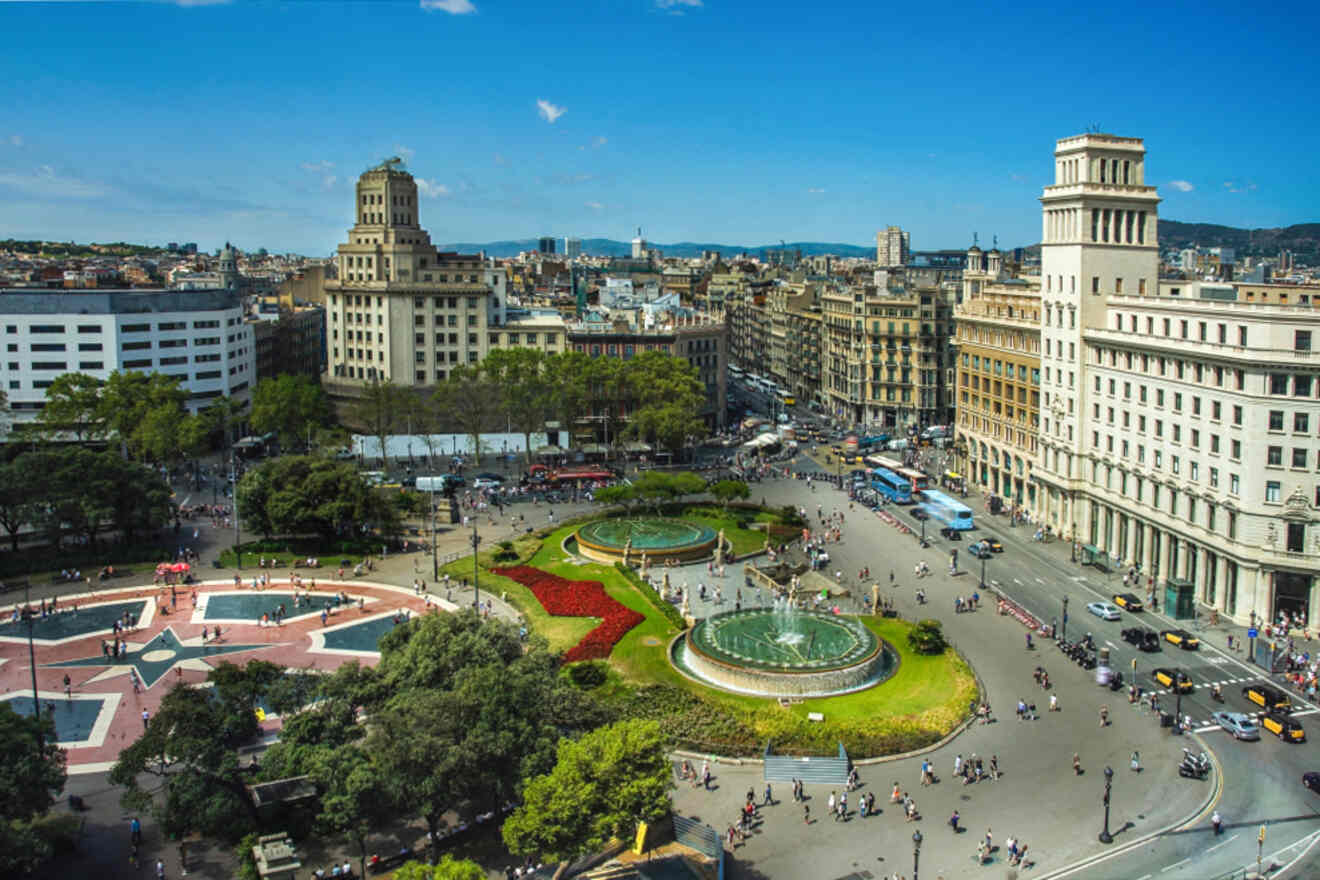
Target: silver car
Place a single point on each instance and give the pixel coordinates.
(1240, 725)
(1104, 610)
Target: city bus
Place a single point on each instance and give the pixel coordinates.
(951, 512)
(891, 485)
(880, 461)
(920, 482)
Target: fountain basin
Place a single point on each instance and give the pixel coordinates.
(778, 653)
(660, 538)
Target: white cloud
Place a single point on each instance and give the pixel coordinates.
(815, 189)
(595, 206)
(500, 160)
(549, 112)
(677, 6)
(329, 181)
(405, 152)
(16, 140)
(1181, 185)
(600, 141)
(200, 2)
(453, 7)
(431, 189)
(320, 167)
(1233, 187)
(45, 181)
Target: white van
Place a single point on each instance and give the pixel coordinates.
(373, 478)
(897, 445)
(431, 484)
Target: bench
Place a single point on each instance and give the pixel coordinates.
(15, 584)
(381, 864)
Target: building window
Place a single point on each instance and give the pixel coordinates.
(1095, 283)
(1302, 340)
(1272, 491)
(1234, 484)
(1299, 458)
(1278, 383)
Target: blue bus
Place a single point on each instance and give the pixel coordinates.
(891, 485)
(951, 512)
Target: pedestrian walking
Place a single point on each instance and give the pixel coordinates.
(768, 798)
(146, 717)
(1217, 822)
(1104, 716)
(1136, 762)
(160, 870)
(806, 814)
(994, 766)
(1054, 702)
(135, 830)
(68, 687)
(1077, 764)
(830, 805)
(953, 821)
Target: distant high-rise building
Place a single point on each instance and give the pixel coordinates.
(572, 248)
(546, 244)
(892, 246)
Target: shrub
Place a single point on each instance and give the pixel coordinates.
(672, 614)
(789, 515)
(564, 598)
(588, 674)
(927, 637)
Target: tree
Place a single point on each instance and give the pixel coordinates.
(658, 487)
(526, 395)
(289, 406)
(727, 491)
(302, 494)
(21, 498)
(448, 868)
(190, 751)
(927, 637)
(73, 404)
(470, 401)
(623, 493)
(225, 414)
(601, 787)
(568, 375)
(352, 797)
(145, 412)
(380, 411)
(31, 775)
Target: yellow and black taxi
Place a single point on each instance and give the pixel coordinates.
(1282, 726)
(1267, 697)
(1173, 679)
(1182, 638)
(1128, 602)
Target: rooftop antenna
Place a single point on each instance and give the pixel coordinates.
(974, 239)
(996, 242)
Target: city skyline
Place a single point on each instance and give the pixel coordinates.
(698, 121)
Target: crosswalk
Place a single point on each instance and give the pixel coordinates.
(1206, 725)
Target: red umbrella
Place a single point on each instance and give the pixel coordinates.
(179, 566)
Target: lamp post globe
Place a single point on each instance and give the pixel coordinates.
(916, 852)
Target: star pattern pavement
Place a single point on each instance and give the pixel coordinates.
(158, 656)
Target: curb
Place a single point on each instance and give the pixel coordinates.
(1178, 824)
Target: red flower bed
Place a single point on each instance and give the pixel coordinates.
(565, 598)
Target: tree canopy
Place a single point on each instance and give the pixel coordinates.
(726, 491)
(31, 775)
(302, 494)
(471, 402)
(381, 411)
(290, 407)
(447, 868)
(601, 787)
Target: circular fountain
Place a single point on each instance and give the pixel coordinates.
(625, 539)
(780, 651)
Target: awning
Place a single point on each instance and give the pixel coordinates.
(950, 475)
(594, 449)
(549, 450)
(636, 446)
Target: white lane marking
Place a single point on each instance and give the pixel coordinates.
(1174, 865)
(1147, 877)
(1208, 728)
(1225, 843)
(1306, 712)
(1018, 582)
(1112, 645)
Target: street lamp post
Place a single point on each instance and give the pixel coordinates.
(32, 664)
(916, 852)
(476, 590)
(435, 559)
(1105, 836)
(233, 496)
(984, 554)
(1074, 542)
(1177, 704)
(1064, 631)
(923, 532)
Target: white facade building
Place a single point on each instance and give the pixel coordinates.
(197, 335)
(1180, 423)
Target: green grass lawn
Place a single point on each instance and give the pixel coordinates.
(925, 698)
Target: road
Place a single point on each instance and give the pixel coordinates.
(1261, 779)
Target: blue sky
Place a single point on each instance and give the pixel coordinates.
(700, 120)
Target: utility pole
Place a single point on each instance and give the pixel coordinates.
(476, 590)
(1064, 631)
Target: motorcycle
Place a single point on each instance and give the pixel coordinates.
(1217, 694)
(1194, 766)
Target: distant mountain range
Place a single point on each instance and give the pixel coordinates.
(1302, 239)
(608, 247)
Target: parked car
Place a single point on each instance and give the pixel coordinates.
(1173, 679)
(981, 550)
(1285, 728)
(1267, 696)
(993, 543)
(1128, 602)
(1103, 610)
(918, 513)
(1182, 638)
(1144, 639)
(1312, 781)
(1236, 723)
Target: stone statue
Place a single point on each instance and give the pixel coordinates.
(646, 562)
(719, 548)
(875, 598)
(664, 587)
(687, 606)
(792, 592)
(627, 549)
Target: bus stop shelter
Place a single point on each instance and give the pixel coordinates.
(1093, 555)
(1179, 599)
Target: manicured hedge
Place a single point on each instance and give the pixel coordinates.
(672, 614)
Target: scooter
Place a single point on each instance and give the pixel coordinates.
(1217, 694)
